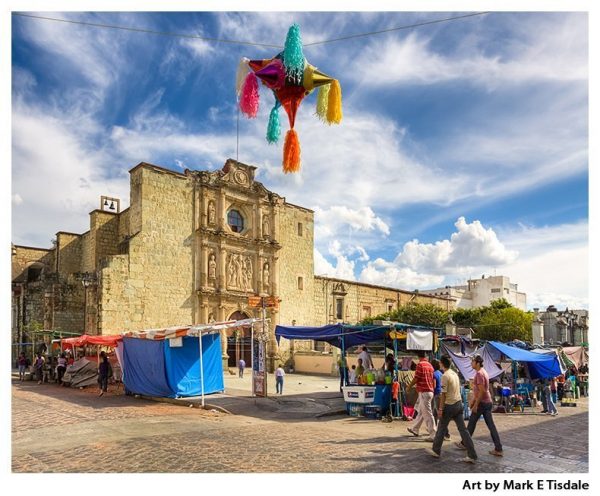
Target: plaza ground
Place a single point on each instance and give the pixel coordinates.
(58, 429)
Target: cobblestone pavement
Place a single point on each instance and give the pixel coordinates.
(118, 433)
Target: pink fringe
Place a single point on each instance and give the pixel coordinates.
(249, 96)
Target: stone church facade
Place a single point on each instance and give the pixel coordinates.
(191, 248)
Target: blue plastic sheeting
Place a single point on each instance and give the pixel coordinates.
(340, 335)
(540, 366)
(183, 366)
(144, 371)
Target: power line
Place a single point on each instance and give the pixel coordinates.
(148, 31)
(251, 43)
(409, 26)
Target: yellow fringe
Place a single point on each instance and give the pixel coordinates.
(334, 104)
(322, 99)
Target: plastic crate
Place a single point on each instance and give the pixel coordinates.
(372, 411)
(355, 409)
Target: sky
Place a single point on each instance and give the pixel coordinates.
(463, 149)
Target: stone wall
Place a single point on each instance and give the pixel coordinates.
(105, 226)
(296, 266)
(156, 277)
(24, 257)
(69, 248)
(363, 300)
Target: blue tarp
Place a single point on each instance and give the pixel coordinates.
(540, 366)
(153, 368)
(335, 334)
(144, 370)
(183, 366)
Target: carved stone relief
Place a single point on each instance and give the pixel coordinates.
(266, 277)
(239, 272)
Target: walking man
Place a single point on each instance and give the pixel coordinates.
(365, 356)
(104, 372)
(451, 408)
(549, 406)
(425, 386)
(23, 364)
(241, 367)
(437, 392)
(279, 374)
(481, 404)
(343, 368)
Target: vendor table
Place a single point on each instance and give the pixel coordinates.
(377, 395)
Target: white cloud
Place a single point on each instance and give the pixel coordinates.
(333, 219)
(552, 267)
(58, 174)
(383, 273)
(471, 246)
(16, 199)
(555, 50)
(344, 268)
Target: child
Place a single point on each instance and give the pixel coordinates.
(352, 375)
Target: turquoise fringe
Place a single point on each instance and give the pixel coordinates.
(293, 57)
(274, 127)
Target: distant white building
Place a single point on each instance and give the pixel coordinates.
(481, 292)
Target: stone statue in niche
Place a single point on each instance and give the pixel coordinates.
(212, 213)
(239, 272)
(212, 268)
(266, 276)
(265, 226)
(211, 317)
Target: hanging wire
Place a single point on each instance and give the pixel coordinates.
(148, 31)
(250, 43)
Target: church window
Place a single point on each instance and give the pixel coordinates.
(339, 308)
(300, 283)
(299, 228)
(235, 221)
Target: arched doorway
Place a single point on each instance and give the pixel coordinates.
(238, 342)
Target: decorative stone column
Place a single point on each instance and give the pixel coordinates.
(204, 266)
(222, 269)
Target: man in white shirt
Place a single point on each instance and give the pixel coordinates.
(366, 358)
(279, 374)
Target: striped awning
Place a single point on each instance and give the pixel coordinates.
(190, 330)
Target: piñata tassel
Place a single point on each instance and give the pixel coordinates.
(291, 152)
(322, 101)
(249, 96)
(334, 103)
(274, 127)
(293, 57)
(242, 71)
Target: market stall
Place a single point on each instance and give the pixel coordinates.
(371, 396)
(180, 361)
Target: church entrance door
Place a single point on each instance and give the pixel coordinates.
(238, 343)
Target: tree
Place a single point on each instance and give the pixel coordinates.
(422, 314)
(504, 324)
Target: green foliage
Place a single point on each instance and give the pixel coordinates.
(34, 325)
(424, 314)
(505, 324)
(499, 321)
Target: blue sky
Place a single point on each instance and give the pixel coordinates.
(463, 149)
